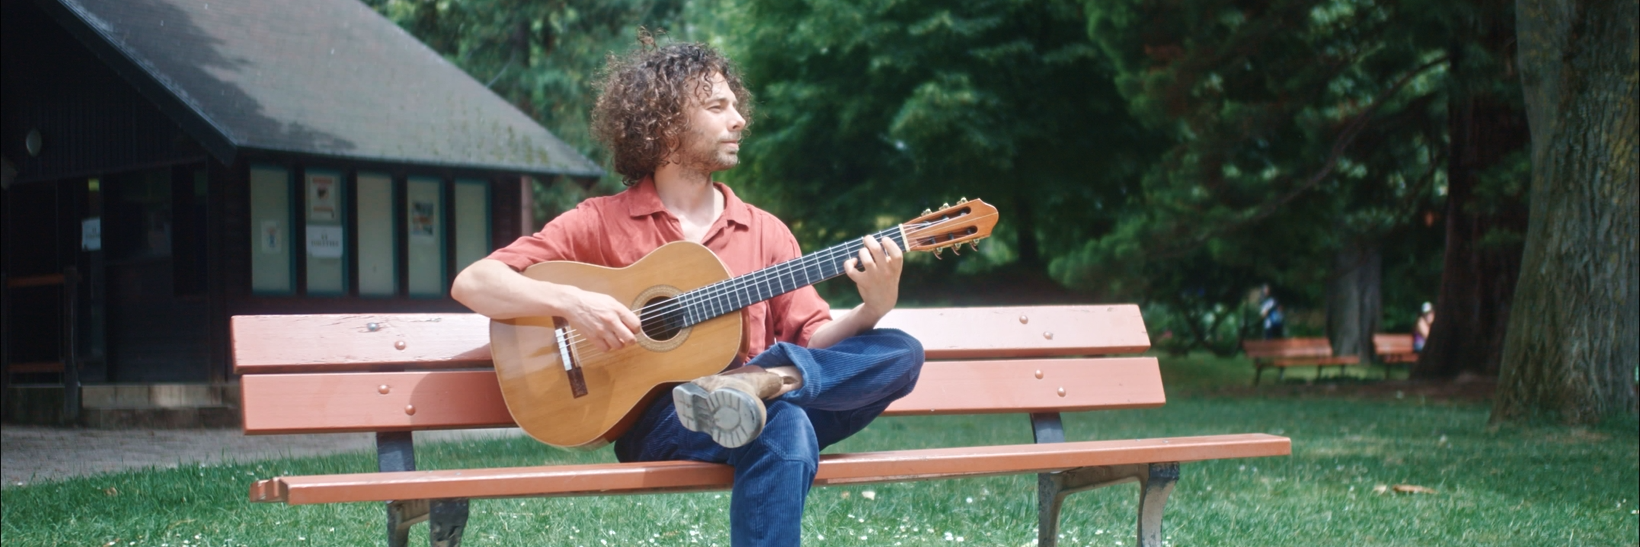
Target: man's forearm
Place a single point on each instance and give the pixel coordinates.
(852, 322)
(494, 290)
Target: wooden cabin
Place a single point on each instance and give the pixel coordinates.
(169, 164)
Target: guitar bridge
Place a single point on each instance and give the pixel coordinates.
(577, 381)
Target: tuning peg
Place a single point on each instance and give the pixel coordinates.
(937, 252)
(956, 249)
(962, 200)
(928, 211)
(945, 206)
(974, 245)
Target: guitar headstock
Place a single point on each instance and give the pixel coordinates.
(952, 225)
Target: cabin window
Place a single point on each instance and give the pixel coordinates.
(472, 222)
(272, 270)
(378, 248)
(325, 240)
(424, 232)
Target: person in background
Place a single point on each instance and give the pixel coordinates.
(1269, 310)
(1420, 331)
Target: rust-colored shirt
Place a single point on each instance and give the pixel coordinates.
(615, 231)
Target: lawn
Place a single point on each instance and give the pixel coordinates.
(1516, 485)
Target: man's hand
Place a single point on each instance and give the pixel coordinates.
(600, 319)
(877, 273)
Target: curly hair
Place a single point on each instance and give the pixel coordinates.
(640, 110)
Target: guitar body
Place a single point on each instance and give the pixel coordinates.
(614, 387)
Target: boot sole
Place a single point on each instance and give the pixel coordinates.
(731, 417)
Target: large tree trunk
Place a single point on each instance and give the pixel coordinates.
(1482, 259)
(1573, 348)
(1355, 300)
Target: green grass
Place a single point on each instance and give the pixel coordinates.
(1518, 485)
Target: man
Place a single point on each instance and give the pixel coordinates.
(672, 117)
(1269, 310)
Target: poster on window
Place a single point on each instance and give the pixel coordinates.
(322, 197)
(271, 232)
(324, 241)
(422, 216)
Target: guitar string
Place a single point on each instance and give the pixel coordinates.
(590, 352)
(658, 311)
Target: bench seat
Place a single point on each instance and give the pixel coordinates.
(681, 476)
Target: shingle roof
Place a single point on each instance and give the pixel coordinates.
(323, 77)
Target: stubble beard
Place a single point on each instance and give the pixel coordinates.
(702, 154)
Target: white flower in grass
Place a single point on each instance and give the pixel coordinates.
(869, 494)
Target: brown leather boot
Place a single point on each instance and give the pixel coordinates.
(727, 406)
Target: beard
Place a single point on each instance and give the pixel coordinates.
(702, 152)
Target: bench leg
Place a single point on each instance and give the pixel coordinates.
(447, 521)
(1153, 491)
(1257, 372)
(401, 515)
(1053, 488)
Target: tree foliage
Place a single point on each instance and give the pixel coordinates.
(871, 111)
(543, 56)
(1298, 129)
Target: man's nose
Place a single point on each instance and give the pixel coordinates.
(736, 121)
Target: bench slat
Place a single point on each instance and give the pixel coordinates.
(315, 343)
(354, 401)
(675, 476)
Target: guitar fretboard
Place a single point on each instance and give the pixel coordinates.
(733, 294)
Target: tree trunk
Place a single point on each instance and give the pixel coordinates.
(1482, 259)
(1355, 300)
(1572, 352)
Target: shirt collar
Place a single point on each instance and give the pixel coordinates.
(642, 200)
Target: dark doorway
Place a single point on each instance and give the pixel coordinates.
(157, 310)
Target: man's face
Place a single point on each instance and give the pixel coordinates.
(711, 141)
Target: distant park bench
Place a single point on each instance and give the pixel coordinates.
(1393, 350)
(1281, 353)
(395, 374)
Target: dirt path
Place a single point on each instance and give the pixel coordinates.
(31, 454)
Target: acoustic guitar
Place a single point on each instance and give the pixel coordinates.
(565, 391)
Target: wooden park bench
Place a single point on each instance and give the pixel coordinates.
(1281, 353)
(1393, 350)
(395, 374)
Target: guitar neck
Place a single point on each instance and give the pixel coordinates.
(733, 294)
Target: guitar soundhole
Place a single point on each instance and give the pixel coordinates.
(660, 325)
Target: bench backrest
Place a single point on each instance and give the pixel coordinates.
(1287, 347)
(1385, 344)
(395, 372)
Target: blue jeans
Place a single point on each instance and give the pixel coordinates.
(844, 388)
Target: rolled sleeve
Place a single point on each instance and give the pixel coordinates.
(798, 314)
(571, 236)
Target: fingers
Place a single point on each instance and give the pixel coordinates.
(893, 249)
